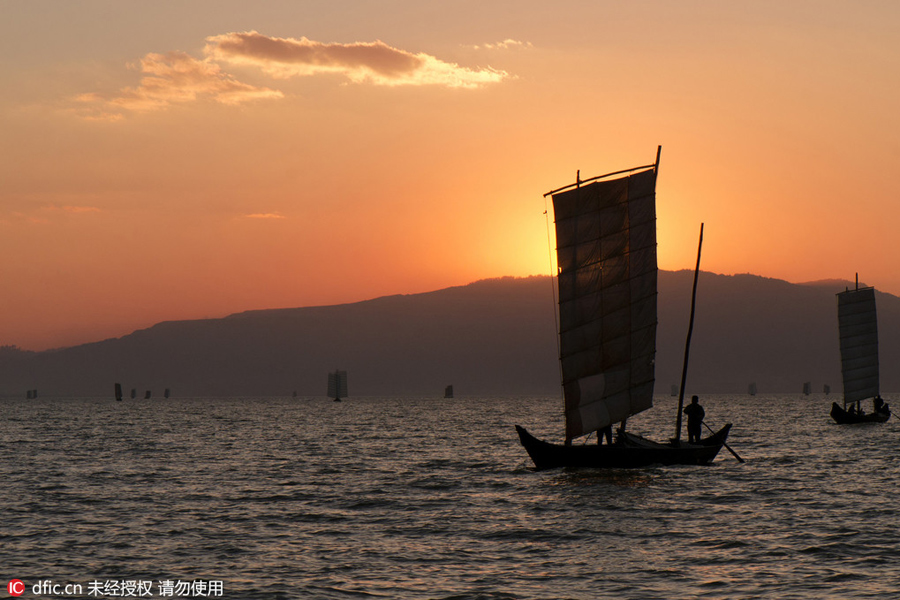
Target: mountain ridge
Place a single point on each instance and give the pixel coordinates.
(490, 337)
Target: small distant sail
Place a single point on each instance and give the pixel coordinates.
(807, 387)
(751, 389)
(133, 393)
(827, 389)
(147, 395)
(166, 393)
(28, 395)
(337, 385)
(448, 391)
(294, 394)
(118, 392)
(674, 390)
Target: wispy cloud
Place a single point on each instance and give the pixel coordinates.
(44, 215)
(53, 208)
(373, 62)
(172, 78)
(80, 209)
(264, 216)
(506, 44)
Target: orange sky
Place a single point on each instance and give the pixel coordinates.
(172, 160)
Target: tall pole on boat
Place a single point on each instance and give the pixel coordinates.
(687, 344)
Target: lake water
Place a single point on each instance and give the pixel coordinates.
(431, 498)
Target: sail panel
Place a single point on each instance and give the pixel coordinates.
(606, 252)
(616, 295)
(612, 246)
(858, 328)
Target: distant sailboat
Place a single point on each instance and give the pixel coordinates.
(674, 390)
(751, 389)
(448, 391)
(858, 327)
(827, 389)
(166, 393)
(337, 385)
(133, 393)
(606, 251)
(807, 387)
(118, 392)
(147, 395)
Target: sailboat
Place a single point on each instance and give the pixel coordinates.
(807, 388)
(858, 327)
(674, 390)
(751, 389)
(826, 389)
(606, 250)
(448, 391)
(118, 392)
(337, 385)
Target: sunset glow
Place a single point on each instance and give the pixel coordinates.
(163, 161)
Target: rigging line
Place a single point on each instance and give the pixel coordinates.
(553, 291)
(580, 181)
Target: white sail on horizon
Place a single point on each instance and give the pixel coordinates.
(606, 248)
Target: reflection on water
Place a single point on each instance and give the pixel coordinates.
(434, 498)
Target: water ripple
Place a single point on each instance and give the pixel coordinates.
(434, 499)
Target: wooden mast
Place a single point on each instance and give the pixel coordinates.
(687, 344)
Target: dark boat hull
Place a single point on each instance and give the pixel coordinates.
(842, 417)
(629, 451)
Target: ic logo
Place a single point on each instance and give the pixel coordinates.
(16, 587)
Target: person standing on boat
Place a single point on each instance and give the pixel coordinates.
(695, 414)
(604, 432)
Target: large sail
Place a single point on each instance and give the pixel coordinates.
(606, 248)
(858, 327)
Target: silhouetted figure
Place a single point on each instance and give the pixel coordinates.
(880, 406)
(605, 432)
(695, 414)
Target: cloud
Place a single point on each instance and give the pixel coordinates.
(173, 78)
(71, 209)
(178, 78)
(373, 62)
(47, 214)
(81, 209)
(506, 44)
(264, 216)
